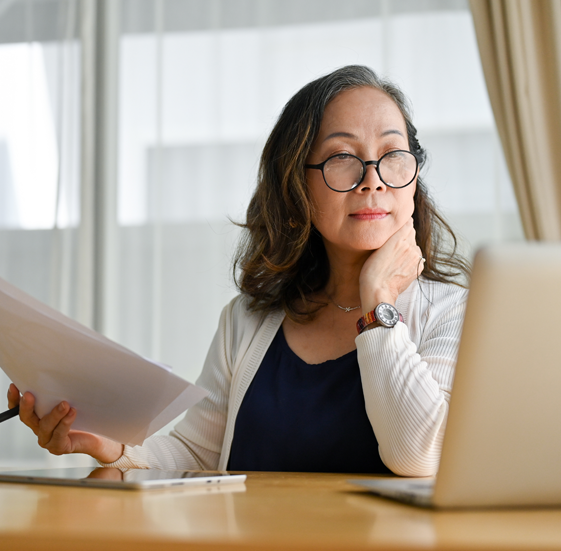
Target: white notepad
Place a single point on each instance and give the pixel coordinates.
(117, 393)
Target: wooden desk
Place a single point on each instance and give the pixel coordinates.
(275, 511)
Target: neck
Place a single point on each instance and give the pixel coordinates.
(343, 284)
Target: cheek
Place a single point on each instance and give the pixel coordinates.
(409, 204)
(324, 216)
(406, 206)
(313, 188)
(322, 201)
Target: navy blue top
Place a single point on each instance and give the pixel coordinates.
(307, 418)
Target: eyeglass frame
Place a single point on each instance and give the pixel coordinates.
(375, 164)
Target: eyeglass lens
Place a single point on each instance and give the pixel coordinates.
(344, 172)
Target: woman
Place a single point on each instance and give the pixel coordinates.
(339, 228)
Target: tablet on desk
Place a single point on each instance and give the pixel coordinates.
(130, 479)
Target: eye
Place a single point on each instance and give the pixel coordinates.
(397, 154)
(341, 159)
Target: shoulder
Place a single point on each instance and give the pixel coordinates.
(424, 293)
(243, 328)
(237, 314)
(444, 294)
(429, 306)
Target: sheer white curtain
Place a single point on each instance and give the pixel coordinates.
(43, 244)
(134, 160)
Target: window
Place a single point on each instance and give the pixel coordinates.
(186, 94)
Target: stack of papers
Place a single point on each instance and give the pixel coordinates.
(117, 393)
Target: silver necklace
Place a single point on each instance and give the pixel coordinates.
(344, 308)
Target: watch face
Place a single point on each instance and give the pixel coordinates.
(386, 314)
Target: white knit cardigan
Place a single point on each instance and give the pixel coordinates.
(406, 374)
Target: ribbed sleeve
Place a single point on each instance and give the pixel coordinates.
(164, 452)
(407, 375)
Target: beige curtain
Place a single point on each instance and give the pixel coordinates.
(520, 46)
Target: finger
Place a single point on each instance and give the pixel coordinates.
(405, 235)
(27, 411)
(408, 223)
(50, 422)
(59, 442)
(13, 396)
(406, 229)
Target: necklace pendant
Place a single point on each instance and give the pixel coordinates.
(346, 308)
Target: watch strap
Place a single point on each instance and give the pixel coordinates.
(367, 319)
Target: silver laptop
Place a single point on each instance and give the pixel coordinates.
(502, 445)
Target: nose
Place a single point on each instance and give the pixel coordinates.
(372, 180)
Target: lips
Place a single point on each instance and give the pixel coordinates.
(369, 214)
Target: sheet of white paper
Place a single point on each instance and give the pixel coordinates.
(116, 392)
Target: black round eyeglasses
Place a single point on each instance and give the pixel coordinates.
(344, 172)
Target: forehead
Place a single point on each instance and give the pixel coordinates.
(364, 108)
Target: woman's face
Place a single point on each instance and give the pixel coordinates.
(367, 123)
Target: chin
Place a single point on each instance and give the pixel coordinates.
(365, 246)
(357, 243)
(371, 244)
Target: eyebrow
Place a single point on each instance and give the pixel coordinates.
(391, 131)
(353, 137)
(341, 135)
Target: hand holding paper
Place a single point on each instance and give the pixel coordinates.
(116, 393)
(54, 430)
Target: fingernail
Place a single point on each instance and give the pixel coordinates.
(62, 406)
(24, 399)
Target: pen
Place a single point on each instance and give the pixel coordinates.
(8, 414)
